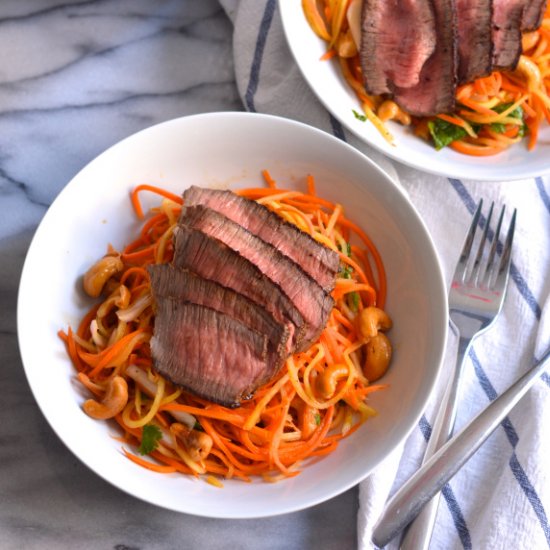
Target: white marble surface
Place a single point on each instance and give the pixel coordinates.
(76, 77)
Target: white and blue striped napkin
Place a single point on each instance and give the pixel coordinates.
(501, 498)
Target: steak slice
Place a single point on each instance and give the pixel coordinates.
(507, 23)
(435, 91)
(532, 15)
(213, 260)
(318, 261)
(207, 352)
(313, 303)
(168, 281)
(397, 38)
(475, 46)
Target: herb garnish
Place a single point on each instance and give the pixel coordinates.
(346, 270)
(359, 116)
(150, 436)
(444, 132)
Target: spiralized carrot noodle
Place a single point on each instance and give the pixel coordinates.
(481, 104)
(291, 418)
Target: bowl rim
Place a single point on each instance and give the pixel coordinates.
(236, 116)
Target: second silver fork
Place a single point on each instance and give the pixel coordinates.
(476, 296)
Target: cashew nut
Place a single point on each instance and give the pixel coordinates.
(345, 45)
(378, 353)
(371, 320)
(113, 401)
(329, 378)
(389, 110)
(96, 277)
(198, 445)
(307, 417)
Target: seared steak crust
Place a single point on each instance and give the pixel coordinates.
(318, 261)
(532, 15)
(507, 22)
(475, 46)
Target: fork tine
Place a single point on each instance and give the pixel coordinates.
(506, 258)
(477, 263)
(467, 248)
(490, 268)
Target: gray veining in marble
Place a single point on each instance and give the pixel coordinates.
(75, 78)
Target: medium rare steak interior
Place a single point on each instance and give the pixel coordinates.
(234, 303)
(311, 301)
(207, 352)
(213, 260)
(416, 51)
(436, 88)
(393, 54)
(184, 286)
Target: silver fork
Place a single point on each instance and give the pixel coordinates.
(476, 296)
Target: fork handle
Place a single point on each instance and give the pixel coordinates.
(431, 477)
(419, 533)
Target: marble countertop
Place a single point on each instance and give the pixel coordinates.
(75, 78)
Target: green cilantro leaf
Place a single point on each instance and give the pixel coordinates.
(516, 113)
(318, 419)
(346, 270)
(359, 116)
(150, 436)
(444, 132)
(498, 127)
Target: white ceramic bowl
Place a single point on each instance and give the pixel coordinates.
(326, 81)
(229, 150)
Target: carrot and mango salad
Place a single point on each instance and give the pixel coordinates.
(319, 396)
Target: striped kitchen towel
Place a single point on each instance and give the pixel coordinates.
(501, 498)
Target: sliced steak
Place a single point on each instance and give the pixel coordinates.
(435, 91)
(532, 15)
(213, 260)
(313, 303)
(209, 353)
(397, 38)
(168, 281)
(318, 261)
(475, 46)
(507, 22)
